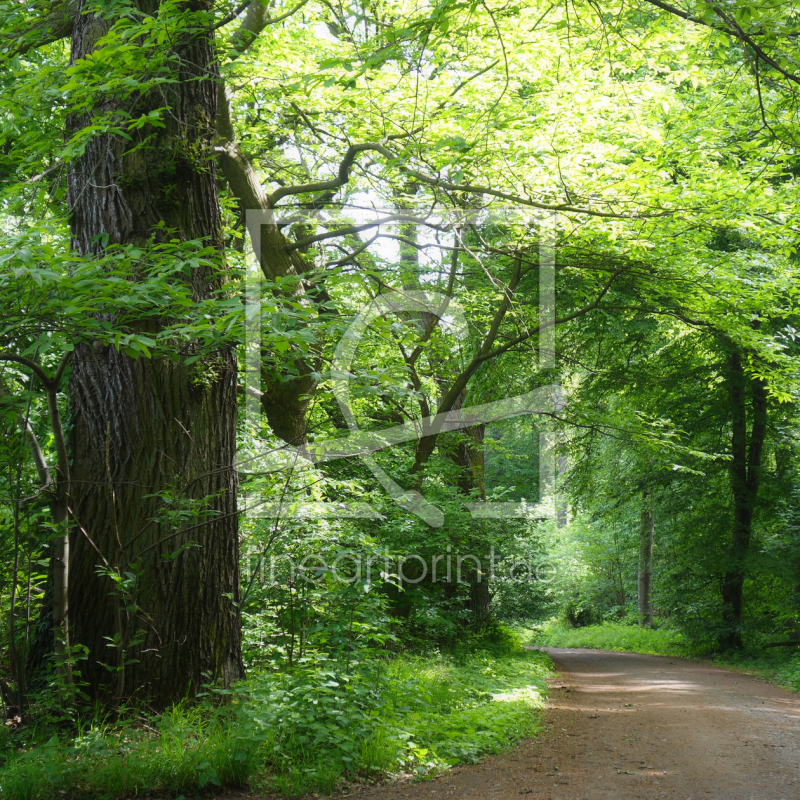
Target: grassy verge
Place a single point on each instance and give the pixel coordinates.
(613, 636)
(779, 665)
(294, 732)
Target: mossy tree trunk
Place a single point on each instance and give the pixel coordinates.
(150, 435)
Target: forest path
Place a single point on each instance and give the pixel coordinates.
(622, 726)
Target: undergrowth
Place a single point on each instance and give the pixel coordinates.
(298, 731)
(779, 665)
(614, 636)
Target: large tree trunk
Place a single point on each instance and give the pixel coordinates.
(144, 429)
(646, 565)
(745, 480)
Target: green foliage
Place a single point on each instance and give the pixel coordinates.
(614, 636)
(193, 747)
(667, 152)
(303, 730)
(781, 665)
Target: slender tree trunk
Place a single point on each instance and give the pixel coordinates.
(16, 663)
(61, 550)
(480, 601)
(469, 456)
(745, 473)
(151, 597)
(562, 509)
(55, 614)
(646, 565)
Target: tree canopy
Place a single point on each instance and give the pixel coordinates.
(275, 274)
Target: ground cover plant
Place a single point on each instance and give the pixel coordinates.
(300, 731)
(613, 636)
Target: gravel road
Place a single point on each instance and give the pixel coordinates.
(631, 727)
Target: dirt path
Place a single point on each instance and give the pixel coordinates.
(633, 727)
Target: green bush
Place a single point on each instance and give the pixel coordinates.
(614, 636)
(779, 665)
(194, 747)
(303, 730)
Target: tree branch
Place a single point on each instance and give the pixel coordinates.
(347, 162)
(680, 13)
(236, 167)
(31, 365)
(351, 229)
(334, 183)
(351, 256)
(729, 26)
(427, 442)
(57, 24)
(451, 279)
(560, 321)
(42, 470)
(257, 18)
(736, 30)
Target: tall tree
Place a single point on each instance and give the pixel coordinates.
(747, 451)
(645, 591)
(152, 595)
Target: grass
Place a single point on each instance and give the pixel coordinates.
(469, 709)
(191, 749)
(779, 665)
(614, 636)
(297, 732)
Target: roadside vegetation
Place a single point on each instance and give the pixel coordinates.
(310, 729)
(780, 665)
(612, 636)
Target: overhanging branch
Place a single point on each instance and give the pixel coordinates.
(346, 164)
(351, 229)
(729, 26)
(56, 24)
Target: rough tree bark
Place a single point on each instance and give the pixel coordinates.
(646, 564)
(745, 471)
(146, 427)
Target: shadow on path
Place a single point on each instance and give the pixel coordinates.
(622, 726)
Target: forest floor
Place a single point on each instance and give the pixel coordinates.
(622, 726)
